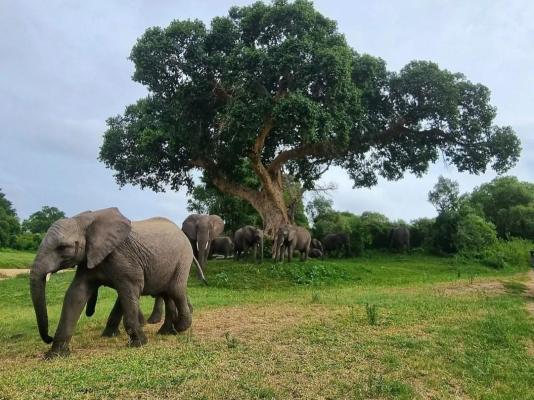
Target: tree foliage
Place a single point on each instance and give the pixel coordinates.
(276, 87)
(445, 195)
(509, 204)
(40, 221)
(9, 222)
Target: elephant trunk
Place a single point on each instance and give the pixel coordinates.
(37, 289)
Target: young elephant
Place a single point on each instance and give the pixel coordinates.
(315, 253)
(337, 243)
(222, 245)
(248, 237)
(291, 238)
(149, 257)
(316, 244)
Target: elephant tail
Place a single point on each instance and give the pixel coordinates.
(201, 273)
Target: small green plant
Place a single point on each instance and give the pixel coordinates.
(316, 297)
(471, 278)
(231, 341)
(372, 313)
(221, 279)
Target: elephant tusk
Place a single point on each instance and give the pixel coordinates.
(207, 244)
(48, 276)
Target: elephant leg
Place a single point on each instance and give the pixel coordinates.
(171, 314)
(114, 320)
(183, 320)
(290, 250)
(129, 299)
(255, 251)
(75, 300)
(157, 311)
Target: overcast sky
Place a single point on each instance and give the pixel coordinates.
(64, 70)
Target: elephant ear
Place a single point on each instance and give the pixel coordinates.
(106, 230)
(216, 225)
(189, 226)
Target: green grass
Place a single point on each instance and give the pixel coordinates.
(299, 330)
(10, 258)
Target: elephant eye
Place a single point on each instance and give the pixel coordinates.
(62, 247)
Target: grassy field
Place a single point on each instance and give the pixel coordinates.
(384, 327)
(10, 258)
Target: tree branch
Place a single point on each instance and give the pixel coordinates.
(224, 184)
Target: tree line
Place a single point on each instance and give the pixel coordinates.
(25, 235)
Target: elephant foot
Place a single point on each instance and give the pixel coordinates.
(110, 332)
(167, 330)
(183, 324)
(154, 319)
(57, 350)
(137, 340)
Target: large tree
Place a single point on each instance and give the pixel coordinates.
(40, 221)
(9, 222)
(277, 88)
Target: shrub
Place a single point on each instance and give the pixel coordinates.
(421, 232)
(474, 234)
(503, 253)
(28, 241)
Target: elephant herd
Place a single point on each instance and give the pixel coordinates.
(151, 257)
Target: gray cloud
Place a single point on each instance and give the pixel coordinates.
(64, 70)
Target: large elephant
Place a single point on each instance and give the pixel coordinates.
(221, 245)
(149, 257)
(399, 239)
(291, 238)
(338, 243)
(200, 229)
(248, 237)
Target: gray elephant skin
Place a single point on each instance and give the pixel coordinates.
(316, 244)
(201, 230)
(221, 245)
(149, 257)
(290, 238)
(315, 253)
(246, 238)
(338, 243)
(399, 239)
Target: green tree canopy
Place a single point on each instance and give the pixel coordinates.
(40, 221)
(276, 86)
(509, 204)
(9, 222)
(445, 195)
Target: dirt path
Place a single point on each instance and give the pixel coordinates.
(530, 292)
(10, 273)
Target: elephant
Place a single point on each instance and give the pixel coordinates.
(316, 244)
(336, 242)
(221, 245)
(200, 229)
(248, 237)
(292, 238)
(148, 257)
(315, 253)
(399, 239)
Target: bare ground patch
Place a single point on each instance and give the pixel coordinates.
(529, 293)
(491, 288)
(254, 321)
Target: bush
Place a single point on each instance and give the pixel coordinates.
(421, 232)
(377, 227)
(28, 241)
(474, 234)
(503, 253)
